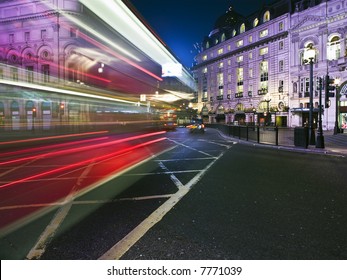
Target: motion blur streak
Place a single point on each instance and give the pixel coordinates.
(56, 146)
(101, 46)
(53, 137)
(84, 148)
(52, 153)
(64, 91)
(96, 159)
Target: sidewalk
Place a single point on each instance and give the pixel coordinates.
(334, 144)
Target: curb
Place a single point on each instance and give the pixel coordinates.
(286, 148)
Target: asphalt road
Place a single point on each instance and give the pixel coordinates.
(205, 197)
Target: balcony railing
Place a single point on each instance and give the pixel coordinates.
(239, 95)
(262, 91)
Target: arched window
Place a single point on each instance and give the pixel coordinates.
(255, 22)
(333, 48)
(222, 39)
(234, 32)
(242, 28)
(14, 106)
(29, 105)
(266, 16)
(207, 45)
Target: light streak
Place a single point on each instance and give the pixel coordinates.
(64, 91)
(53, 137)
(103, 47)
(50, 153)
(51, 146)
(80, 149)
(81, 163)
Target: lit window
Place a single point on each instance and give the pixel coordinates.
(264, 76)
(250, 38)
(250, 72)
(264, 51)
(334, 48)
(220, 79)
(239, 43)
(221, 65)
(239, 80)
(250, 55)
(255, 22)
(222, 37)
(280, 26)
(239, 72)
(204, 70)
(263, 33)
(234, 32)
(266, 16)
(240, 58)
(220, 51)
(242, 28)
(204, 57)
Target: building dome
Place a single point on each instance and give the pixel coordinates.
(229, 19)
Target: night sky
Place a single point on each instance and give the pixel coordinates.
(182, 23)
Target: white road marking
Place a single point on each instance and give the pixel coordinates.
(40, 246)
(119, 249)
(188, 147)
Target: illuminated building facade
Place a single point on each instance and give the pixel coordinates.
(80, 46)
(251, 69)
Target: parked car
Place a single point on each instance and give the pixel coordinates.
(196, 126)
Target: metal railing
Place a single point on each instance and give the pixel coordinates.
(272, 135)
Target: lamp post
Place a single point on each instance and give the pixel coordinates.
(320, 136)
(268, 116)
(337, 98)
(309, 56)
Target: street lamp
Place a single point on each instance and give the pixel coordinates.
(309, 56)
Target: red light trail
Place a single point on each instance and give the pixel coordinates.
(81, 163)
(53, 137)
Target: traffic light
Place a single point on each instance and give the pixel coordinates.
(34, 112)
(61, 109)
(329, 90)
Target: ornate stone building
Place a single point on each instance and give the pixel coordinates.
(321, 26)
(252, 70)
